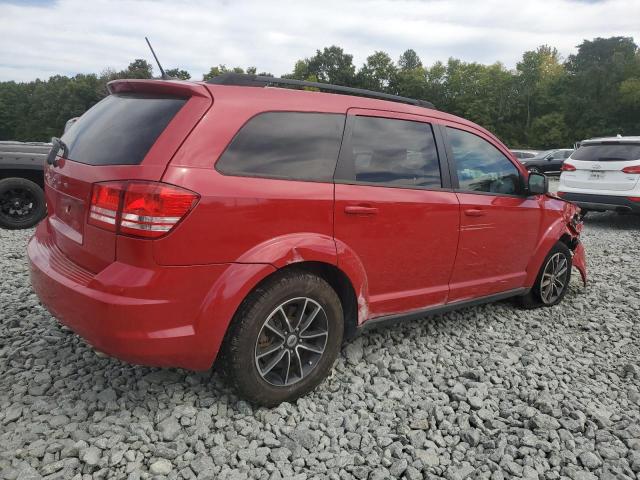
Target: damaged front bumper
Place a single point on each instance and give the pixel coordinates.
(580, 261)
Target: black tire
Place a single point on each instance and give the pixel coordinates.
(22, 203)
(239, 363)
(535, 297)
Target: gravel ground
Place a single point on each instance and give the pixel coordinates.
(488, 392)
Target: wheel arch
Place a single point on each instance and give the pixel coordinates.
(318, 254)
(556, 232)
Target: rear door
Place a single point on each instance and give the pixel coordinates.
(499, 225)
(131, 134)
(599, 166)
(394, 208)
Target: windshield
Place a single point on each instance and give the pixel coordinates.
(608, 152)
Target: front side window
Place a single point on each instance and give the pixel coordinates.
(394, 152)
(289, 145)
(481, 167)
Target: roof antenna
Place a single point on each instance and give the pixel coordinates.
(164, 76)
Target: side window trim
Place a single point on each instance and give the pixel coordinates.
(454, 173)
(344, 172)
(447, 164)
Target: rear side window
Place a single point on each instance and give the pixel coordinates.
(608, 152)
(120, 129)
(289, 145)
(481, 167)
(394, 152)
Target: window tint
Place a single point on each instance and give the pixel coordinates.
(394, 152)
(482, 167)
(120, 129)
(294, 145)
(603, 152)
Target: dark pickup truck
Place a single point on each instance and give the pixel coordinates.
(22, 203)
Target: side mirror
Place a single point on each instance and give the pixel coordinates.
(538, 184)
(549, 157)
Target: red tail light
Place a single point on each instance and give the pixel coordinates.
(634, 199)
(635, 169)
(105, 201)
(567, 167)
(140, 209)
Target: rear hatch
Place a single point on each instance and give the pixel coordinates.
(130, 135)
(599, 166)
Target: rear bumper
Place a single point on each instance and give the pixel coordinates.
(588, 201)
(141, 315)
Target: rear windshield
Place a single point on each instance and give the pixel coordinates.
(611, 152)
(120, 129)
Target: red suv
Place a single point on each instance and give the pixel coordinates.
(262, 226)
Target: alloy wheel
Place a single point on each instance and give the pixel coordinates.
(554, 278)
(291, 341)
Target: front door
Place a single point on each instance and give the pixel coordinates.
(395, 210)
(499, 225)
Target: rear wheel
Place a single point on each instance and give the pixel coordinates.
(22, 203)
(284, 338)
(553, 279)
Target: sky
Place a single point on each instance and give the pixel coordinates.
(40, 38)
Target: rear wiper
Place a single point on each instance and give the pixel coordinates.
(56, 146)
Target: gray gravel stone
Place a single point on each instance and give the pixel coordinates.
(91, 456)
(161, 467)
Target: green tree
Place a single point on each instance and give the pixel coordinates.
(536, 72)
(331, 65)
(219, 70)
(178, 73)
(409, 60)
(550, 131)
(593, 91)
(139, 68)
(378, 73)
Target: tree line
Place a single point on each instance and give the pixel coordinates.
(545, 102)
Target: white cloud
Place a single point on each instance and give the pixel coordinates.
(80, 36)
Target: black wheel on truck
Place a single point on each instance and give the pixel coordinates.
(22, 203)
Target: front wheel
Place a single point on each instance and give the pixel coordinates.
(553, 279)
(284, 338)
(22, 203)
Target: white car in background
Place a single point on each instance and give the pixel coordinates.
(603, 174)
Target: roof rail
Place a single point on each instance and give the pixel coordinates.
(249, 80)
